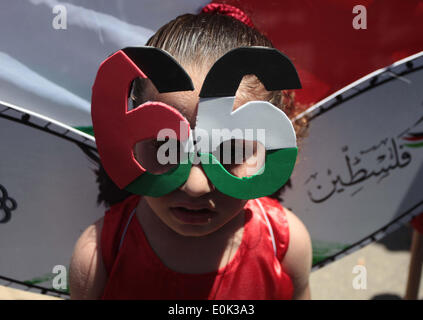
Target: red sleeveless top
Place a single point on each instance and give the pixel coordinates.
(255, 272)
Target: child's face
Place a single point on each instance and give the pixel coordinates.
(210, 209)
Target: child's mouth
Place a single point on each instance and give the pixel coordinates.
(192, 216)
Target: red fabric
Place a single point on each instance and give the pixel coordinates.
(417, 223)
(327, 51)
(135, 272)
(228, 10)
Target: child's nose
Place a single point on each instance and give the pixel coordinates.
(197, 183)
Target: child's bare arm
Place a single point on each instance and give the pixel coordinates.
(87, 274)
(298, 259)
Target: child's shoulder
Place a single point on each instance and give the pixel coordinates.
(298, 258)
(87, 274)
(292, 241)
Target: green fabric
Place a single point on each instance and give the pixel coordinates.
(157, 185)
(416, 145)
(88, 130)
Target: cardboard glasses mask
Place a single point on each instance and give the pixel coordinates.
(263, 128)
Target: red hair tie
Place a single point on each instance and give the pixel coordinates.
(228, 10)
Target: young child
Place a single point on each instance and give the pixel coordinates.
(195, 242)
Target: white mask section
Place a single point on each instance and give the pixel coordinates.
(255, 120)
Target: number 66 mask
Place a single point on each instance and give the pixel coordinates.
(257, 123)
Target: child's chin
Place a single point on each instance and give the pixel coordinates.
(193, 230)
